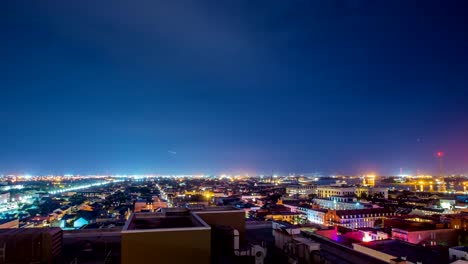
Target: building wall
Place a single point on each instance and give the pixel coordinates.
(290, 218)
(456, 254)
(292, 207)
(447, 237)
(328, 191)
(281, 239)
(4, 197)
(315, 216)
(301, 190)
(235, 219)
(355, 221)
(458, 223)
(333, 204)
(172, 246)
(370, 191)
(374, 253)
(140, 205)
(359, 222)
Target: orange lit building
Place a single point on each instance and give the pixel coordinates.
(149, 206)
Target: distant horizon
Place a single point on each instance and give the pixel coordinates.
(279, 174)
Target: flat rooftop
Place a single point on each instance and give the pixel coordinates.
(412, 252)
(146, 222)
(172, 218)
(216, 209)
(164, 222)
(461, 248)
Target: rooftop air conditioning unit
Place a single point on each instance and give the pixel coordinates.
(259, 253)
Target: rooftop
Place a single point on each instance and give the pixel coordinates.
(216, 208)
(150, 221)
(461, 248)
(362, 211)
(412, 252)
(172, 218)
(4, 221)
(336, 186)
(285, 213)
(163, 222)
(319, 210)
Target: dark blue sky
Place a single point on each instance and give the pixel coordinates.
(233, 86)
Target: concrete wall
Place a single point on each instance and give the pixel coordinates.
(235, 219)
(448, 237)
(281, 239)
(12, 224)
(373, 253)
(457, 254)
(171, 246)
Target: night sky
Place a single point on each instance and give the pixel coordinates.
(215, 86)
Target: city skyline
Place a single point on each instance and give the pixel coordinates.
(396, 172)
(336, 87)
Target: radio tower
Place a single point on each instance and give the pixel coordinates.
(440, 156)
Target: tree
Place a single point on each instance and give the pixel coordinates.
(116, 198)
(378, 223)
(47, 207)
(364, 196)
(77, 199)
(33, 211)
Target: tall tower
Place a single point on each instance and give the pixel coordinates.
(440, 156)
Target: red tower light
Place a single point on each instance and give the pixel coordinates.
(440, 154)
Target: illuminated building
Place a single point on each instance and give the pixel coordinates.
(361, 234)
(149, 206)
(431, 237)
(290, 217)
(302, 190)
(369, 180)
(339, 203)
(316, 215)
(357, 218)
(458, 221)
(90, 194)
(329, 191)
(430, 211)
(4, 198)
(372, 235)
(372, 191)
